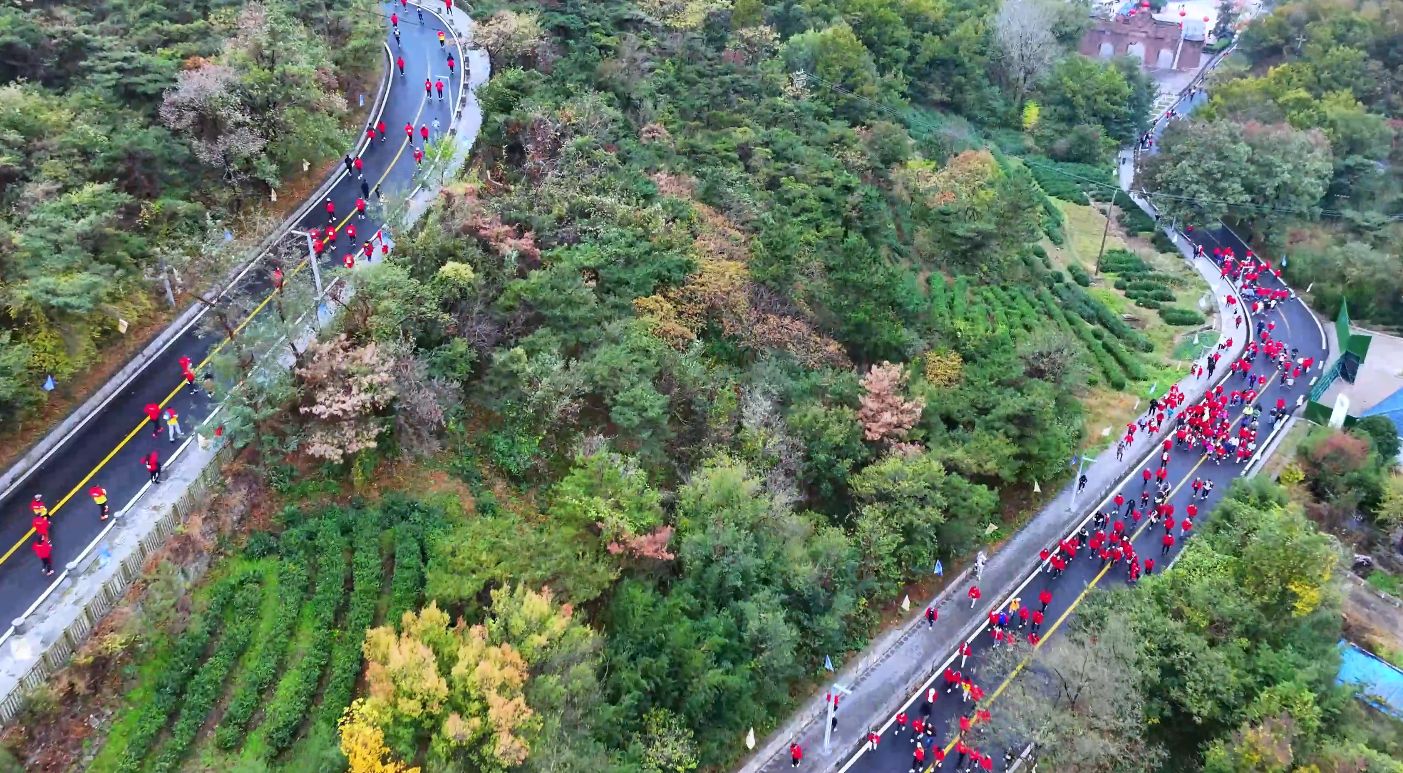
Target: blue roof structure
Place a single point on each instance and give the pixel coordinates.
(1392, 407)
(1379, 683)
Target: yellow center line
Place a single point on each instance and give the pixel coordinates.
(1091, 585)
(213, 352)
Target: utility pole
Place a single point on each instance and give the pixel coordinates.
(832, 700)
(312, 258)
(1104, 233)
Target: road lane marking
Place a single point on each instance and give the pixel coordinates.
(212, 354)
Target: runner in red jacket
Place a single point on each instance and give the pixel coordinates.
(45, 551)
(153, 412)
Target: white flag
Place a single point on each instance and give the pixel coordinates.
(906, 603)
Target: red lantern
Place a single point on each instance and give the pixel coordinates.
(1183, 13)
(1145, 4)
(1205, 20)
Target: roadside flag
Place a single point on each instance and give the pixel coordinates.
(49, 384)
(828, 662)
(906, 603)
(939, 568)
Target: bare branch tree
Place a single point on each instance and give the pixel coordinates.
(1024, 29)
(1078, 698)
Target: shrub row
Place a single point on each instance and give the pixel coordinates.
(367, 576)
(293, 698)
(939, 301)
(1095, 312)
(208, 683)
(1079, 274)
(265, 665)
(407, 585)
(1121, 261)
(1074, 324)
(1134, 219)
(170, 684)
(1181, 317)
(1162, 295)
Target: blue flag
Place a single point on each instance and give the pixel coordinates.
(828, 662)
(49, 384)
(228, 235)
(940, 570)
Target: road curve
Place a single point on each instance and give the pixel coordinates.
(107, 450)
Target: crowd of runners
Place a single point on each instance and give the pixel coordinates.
(165, 418)
(1224, 426)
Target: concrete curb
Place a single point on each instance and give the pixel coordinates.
(43, 448)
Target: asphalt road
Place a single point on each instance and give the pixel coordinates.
(1296, 326)
(108, 449)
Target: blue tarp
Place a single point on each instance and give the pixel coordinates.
(1379, 683)
(1392, 407)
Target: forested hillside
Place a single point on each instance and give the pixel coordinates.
(740, 318)
(1298, 144)
(129, 131)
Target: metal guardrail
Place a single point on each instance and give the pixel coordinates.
(62, 648)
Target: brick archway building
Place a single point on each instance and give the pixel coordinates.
(1159, 45)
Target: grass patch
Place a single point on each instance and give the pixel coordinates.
(1385, 582)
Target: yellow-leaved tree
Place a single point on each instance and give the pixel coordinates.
(468, 691)
(363, 743)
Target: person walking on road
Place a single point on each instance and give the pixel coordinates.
(873, 737)
(360, 172)
(173, 424)
(973, 595)
(331, 206)
(99, 495)
(438, 85)
(394, 20)
(424, 132)
(1081, 483)
(348, 163)
(1037, 618)
(36, 506)
(152, 463)
(435, 125)
(365, 188)
(41, 526)
(45, 551)
(965, 652)
(409, 132)
(918, 760)
(1168, 543)
(900, 722)
(369, 135)
(428, 89)
(451, 64)
(153, 412)
(399, 62)
(360, 208)
(380, 128)
(796, 752)
(931, 614)
(442, 39)
(1046, 598)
